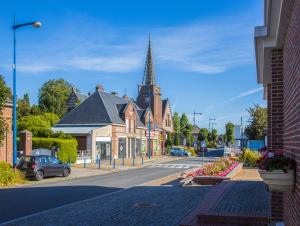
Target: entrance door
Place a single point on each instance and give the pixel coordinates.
(122, 148)
(103, 149)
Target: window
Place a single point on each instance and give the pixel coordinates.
(53, 160)
(147, 99)
(127, 125)
(43, 160)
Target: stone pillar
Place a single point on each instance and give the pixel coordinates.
(26, 142)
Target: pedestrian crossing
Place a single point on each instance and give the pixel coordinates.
(175, 166)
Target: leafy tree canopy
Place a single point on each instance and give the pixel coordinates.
(183, 123)
(4, 95)
(39, 125)
(256, 130)
(229, 134)
(176, 123)
(23, 106)
(203, 135)
(53, 96)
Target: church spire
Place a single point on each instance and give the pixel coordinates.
(149, 76)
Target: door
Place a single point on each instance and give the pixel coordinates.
(55, 166)
(43, 163)
(122, 148)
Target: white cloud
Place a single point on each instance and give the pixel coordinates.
(244, 94)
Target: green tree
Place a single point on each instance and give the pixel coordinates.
(256, 130)
(35, 110)
(214, 136)
(4, 95)
(203, 135)
(39, 125)
(184, 121)
(23, 106)
(229, 134)
(176, 126)
(53, 96)
(176, 139)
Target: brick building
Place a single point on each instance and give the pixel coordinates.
(107, 124)
(277, 46)
(6, 148)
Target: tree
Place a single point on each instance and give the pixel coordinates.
(203, 135)
(53, 96)
(176, 139)
(229, 134)
(39, 125)
(183, 123)
(4, 95)
(256, 130)
(23, 106)
(214, 136)
(176, 126)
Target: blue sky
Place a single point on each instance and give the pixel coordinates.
(203, 50)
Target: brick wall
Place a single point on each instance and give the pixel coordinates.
(7, 146)
(291, 127)
(275, 122)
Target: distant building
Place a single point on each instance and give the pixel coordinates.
(112, 126)
(6, 148)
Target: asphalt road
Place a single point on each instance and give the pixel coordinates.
(26, 200)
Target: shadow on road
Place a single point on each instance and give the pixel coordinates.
(18, 202)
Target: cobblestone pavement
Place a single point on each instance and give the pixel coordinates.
(245, 198)
(141, 205)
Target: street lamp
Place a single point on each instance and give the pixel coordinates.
(35, 24)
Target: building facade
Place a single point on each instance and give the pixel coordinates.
(6, 148)
(277, 46)
(111, 126)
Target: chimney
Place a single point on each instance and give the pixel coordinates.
(126, 97)
(99, 88)
(114, 93)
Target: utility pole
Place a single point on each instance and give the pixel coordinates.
(209, 123)
(194, 116)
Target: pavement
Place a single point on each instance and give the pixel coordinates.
(34, 198)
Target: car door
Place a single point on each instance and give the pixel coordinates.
(43, 164)
(56, 166)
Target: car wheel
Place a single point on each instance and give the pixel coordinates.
(39, 175)
(66, 173)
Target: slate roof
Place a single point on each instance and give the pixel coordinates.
(99, 108)
(164, 106)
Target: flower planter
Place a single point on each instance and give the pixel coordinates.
(278, 180)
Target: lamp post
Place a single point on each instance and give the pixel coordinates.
(35, 24)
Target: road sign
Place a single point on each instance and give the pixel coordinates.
(203, 144)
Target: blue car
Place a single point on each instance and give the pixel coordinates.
(179, 152)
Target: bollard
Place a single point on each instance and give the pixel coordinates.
(114, 164)
(142, 160)
(84, 162)
(110, 160)
(123, 160)
(99, 162)
(133, 161)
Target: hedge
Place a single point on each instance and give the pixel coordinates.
(8, 176)
(67, 147)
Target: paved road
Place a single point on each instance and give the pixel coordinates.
(22, 201)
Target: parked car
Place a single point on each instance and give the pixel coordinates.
(179, 152)
(43, 166)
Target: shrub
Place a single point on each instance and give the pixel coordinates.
(67, 147)
(250, 158)
(8, 176)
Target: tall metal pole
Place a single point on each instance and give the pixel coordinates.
(14, 100)
(149, 125)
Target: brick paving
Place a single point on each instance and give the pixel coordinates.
(169, 206)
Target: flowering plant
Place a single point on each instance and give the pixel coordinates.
(222, 168)
(275, 161)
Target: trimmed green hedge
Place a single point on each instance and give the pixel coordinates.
(8, 176)
(67, 147)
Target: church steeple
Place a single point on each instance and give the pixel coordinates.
(149, 76)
